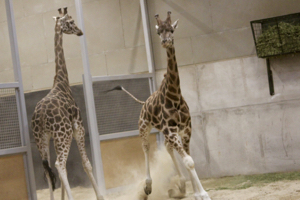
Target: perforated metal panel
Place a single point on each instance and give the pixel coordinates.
(9, 121)
(116, 111)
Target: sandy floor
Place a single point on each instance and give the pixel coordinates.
(282, 190)
(162, 172)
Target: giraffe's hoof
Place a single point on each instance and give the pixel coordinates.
(182, 185)
(100, 198)
(202, 196)
(148, 187)
(175, 194)
(147, 190)
(205, 197)
(197, 197)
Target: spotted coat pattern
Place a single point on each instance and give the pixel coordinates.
(57, 116)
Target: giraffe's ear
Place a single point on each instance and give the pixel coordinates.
(156, 26)
(175, 24)
(55, 18)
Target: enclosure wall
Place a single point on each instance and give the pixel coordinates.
(237, 127)
(12, 178)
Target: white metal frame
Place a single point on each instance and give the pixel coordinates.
(25, 149)
(88, 80)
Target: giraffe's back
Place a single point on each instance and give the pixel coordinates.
(54, 114)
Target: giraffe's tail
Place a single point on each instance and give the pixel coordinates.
(119, 87)
(50, 172)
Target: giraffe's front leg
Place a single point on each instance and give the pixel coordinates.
(144, 128)
(148, 181)
(199, 192)
(179, 183)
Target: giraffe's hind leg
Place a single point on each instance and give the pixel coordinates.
(62, 148)
(144, 128)
(42, 142)
(79, 137)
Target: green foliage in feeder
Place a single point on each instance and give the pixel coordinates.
(281, 39)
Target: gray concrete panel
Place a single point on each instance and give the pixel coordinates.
(223, 45)
(31, 42)
(5, 61)
(253, 139)
(103, 25)
(233, 83)
(234, 14)
(244, 81)
(127, 61)
(194, 16)
(132, 23)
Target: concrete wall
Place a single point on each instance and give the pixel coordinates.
(237, 127)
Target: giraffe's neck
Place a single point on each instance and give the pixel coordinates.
(172, 77)
(61, 74)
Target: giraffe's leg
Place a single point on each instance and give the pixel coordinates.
(62, 148)
(188, 161)
(144, 128)
(42, 141)
(194, 177)
(182, 180)
(48, 176)
(79, 137)
(62, 190)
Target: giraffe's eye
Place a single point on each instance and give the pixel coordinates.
(172, 31)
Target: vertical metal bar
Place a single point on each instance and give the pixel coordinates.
(253, 34)
(270, 77)
(148, 41)
(149, 52)
(147, 36)
(90, 105)
(29, 170)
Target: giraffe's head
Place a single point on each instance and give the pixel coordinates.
(66, 24)
(165, 30)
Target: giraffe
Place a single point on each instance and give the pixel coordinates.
(58, 116)
(167, 111)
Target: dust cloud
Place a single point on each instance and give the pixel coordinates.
(163, 178)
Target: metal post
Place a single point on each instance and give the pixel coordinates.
(149, 52)
(270, 78)
(90, 105)
(28, 164)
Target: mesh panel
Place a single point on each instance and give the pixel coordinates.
(9, 121)
(116, 111)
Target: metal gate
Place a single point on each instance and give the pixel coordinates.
(14, 135)
(98, 106)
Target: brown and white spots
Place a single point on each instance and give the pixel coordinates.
(58, 116)
(167, 111)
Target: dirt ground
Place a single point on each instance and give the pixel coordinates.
(276, 186)
(281, 190)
